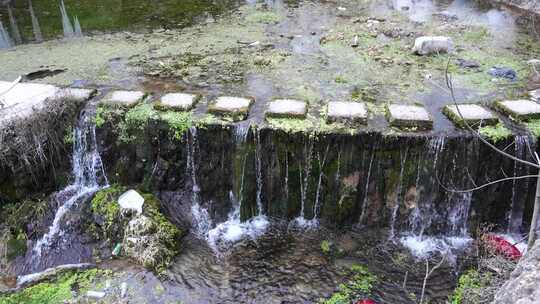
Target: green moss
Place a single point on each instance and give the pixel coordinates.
(136, 121)
(325, 247)
(263, 17)
(179, 122)
(534, 127)
(495, 133)
(99, 118)
(292, 125)
(112, 224)
(57, 291)
(468, 283)
(69, 136)
(359, 285)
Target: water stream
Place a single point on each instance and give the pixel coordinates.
(89, 176)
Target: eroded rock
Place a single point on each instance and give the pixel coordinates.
(131, 200)
(177, 101)
(123, 98)
(347, 112)
(475, 115)
(409, 116)
(522, 286)
(286, 108)
(520, 109)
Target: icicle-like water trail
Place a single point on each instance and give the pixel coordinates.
(88, 174)
(515, 214)
(398, 193)
(5, 40)
(366, 190)
(301, 221)
(201, 217)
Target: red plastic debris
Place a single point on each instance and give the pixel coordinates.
(501, 246)
(366, 301)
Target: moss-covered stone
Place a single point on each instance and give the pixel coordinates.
(60, 290)
(495, 133)
(150, 239)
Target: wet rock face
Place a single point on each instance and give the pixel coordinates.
(522, 287)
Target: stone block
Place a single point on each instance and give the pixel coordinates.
(475, 115)
(236, 108)
(123, 98)
(522, 109)
(354, 112)
(177, 102)
(76, 94)
(409, 116)
(427, 45)
(131, 199)
(286, 108)
(535, 95)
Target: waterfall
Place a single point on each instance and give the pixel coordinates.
(35, 24)
(14, 27)
(515, 215)
(305, 173)
(258, 169)
(226, 234)
(201, 218)
(424, 214)
(88, 174)
(5, 40)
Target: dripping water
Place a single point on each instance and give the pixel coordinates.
(366, 190)
(515, 216)
(66, 23)
(398, 193)
(16, 34)
(305, 173)
(201, 217)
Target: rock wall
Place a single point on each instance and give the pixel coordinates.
(522, 287)
(35, 149)
(342, 179)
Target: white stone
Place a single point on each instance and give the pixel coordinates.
(409, 116)
(95, 294)
(347, 111)
(124, 98)
(123, 290)
(427, 45)
(232, 104)
(535, 95)
(520, 109)
(131, 199)
(287, 108)
(23, 99)
(236, 108)
(473, 114)
(178, 101)
(76, 94)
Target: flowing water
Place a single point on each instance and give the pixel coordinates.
(88, 177)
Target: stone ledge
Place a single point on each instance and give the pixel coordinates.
(177, 102)
(475, 115)
(354, 112)
(409, 116)
(77, 94)
(520, 109)
(535, 95)
(123, 98)
(286, 108)
(236, 108)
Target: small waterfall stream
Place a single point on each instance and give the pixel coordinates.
(5, 40)
(89, 176)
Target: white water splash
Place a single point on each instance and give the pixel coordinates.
(228, 233)
(424, 246)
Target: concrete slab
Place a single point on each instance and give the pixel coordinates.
(77, 94)
(522, 109)
(409, 116)
(123, 98)
(177, 102)
(286, 108)
(236, 108)
(347, 112)
(535, 95)
(23, 99)
(475, 115)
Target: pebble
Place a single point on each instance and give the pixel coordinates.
(95, 294)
